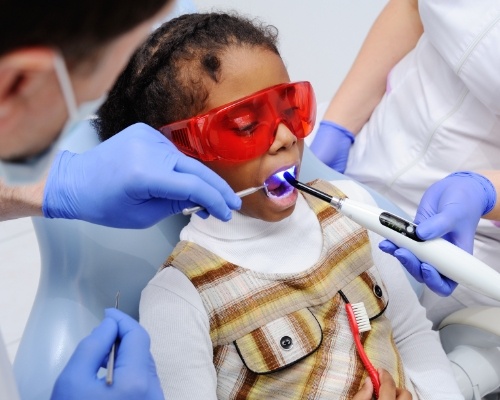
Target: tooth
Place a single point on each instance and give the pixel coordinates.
(268, 194)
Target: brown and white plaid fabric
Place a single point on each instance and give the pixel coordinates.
(286, 336)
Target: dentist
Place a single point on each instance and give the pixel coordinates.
(57, 61)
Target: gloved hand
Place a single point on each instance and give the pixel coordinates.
(133, 180)
(332, 144)
(450, 208)
(134, 374)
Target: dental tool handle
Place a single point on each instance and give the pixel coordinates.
(110, 367)
(448, 259)
(242, 193)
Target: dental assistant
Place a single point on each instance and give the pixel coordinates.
(57, 60)
(418, 119)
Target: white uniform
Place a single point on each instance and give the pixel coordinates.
(440, 114)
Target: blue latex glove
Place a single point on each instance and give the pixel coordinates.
(450, 208)
(332, 144)
(133, 180)
(134, 374)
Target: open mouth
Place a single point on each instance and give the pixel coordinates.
(277, 186)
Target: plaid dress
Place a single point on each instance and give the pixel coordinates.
(287, 336)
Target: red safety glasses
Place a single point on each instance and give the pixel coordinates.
(245, 129)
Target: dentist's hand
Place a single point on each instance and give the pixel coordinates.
(450, 208)
(133, 180)
(134, 374)
(332, 144)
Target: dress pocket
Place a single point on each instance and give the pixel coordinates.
(280, 343)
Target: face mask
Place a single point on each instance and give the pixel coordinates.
(32, 169)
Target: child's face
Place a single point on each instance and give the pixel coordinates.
(246, 70)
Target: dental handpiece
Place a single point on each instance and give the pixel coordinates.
(448, 259)
(242, 193)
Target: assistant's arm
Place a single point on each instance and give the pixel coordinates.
(494, 177)
(394, 33)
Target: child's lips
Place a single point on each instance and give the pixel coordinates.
(276, 185)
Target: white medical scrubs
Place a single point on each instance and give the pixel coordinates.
(440, 114)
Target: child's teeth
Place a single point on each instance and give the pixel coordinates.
(281, 191)
(268, 193)
(277, 186)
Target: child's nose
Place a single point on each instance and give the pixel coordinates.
(284, 139)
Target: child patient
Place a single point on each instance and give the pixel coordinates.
(254, 308)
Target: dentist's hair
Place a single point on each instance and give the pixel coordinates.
(79, 28)
(166, 79)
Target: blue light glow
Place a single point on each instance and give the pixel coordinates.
(280, 174)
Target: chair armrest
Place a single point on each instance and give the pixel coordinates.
(471, 339)
(475, 326)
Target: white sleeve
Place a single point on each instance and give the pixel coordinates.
(423, 357)
(172, 312)
(467, 34)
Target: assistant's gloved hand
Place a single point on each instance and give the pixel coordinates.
(134, 374)
(332, 144)
(133, 180)
(450, 208)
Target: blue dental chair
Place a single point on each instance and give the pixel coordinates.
(84, 265)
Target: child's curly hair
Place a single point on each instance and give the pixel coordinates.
(164, 80)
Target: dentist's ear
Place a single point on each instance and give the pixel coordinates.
(22, 71)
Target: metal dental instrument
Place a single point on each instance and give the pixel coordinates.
(242, 193)
(448, 259)
(111, 360)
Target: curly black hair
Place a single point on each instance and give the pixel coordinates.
(164, 80)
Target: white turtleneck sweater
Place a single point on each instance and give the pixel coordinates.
(173, 313)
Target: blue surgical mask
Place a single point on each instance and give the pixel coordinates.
(33, 169)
